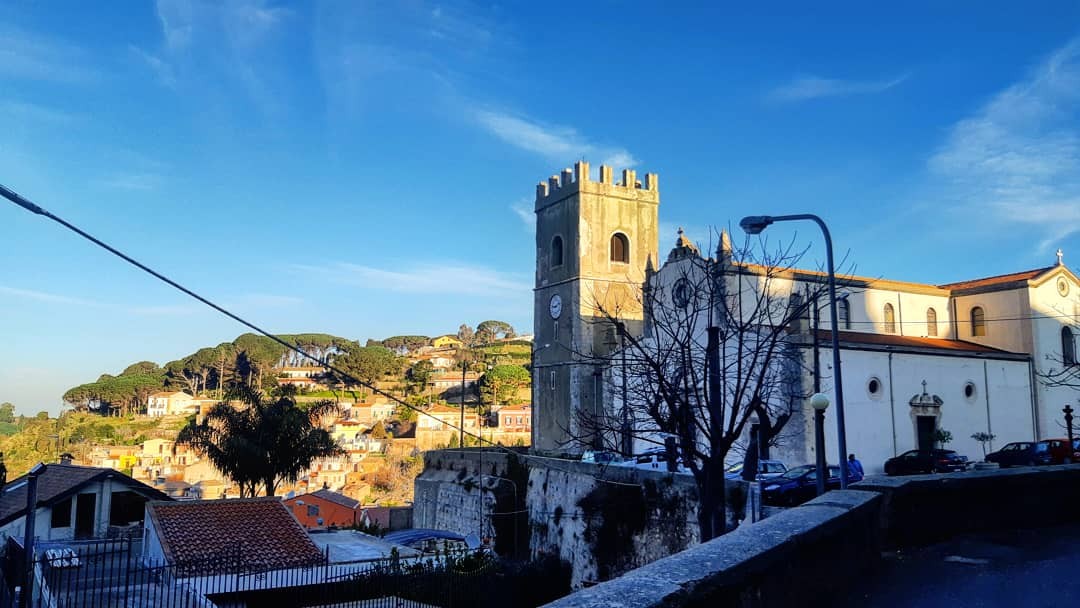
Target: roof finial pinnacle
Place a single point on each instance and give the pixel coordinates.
(1060, 256)
(924, 387)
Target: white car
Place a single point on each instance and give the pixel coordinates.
(655, 460)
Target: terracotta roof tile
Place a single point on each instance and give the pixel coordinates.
(909, 341)
(229, 535)
(1000, 279)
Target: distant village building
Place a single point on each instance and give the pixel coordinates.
(974, 348)
(515, 418)
(170, 403)
(324, 509)
(447, 341)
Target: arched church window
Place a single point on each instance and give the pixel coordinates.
(890, 319)
(1068, 346)
(978, 321)
(556, 252)
(931, 322)
(843, 313)
(620, 248)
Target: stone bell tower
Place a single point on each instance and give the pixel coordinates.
(595, 243)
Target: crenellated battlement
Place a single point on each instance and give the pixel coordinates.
(578, 179)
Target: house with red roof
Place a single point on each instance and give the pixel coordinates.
(219, 536)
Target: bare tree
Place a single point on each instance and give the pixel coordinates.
(715, 356)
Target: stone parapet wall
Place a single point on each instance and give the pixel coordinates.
(807, 555)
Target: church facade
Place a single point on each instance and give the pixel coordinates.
(967, 357)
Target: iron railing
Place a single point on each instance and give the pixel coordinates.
(114, 573)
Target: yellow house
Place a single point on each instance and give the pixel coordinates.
(446, 341)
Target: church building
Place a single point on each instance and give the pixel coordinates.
(967, 357)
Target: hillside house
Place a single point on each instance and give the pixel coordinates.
(447, 341)
(75, 502)
(170, 403)
(324, 509)
(515, 418)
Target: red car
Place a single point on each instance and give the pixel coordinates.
(1056, 451)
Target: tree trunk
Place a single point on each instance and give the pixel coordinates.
(269, 481)
(712, 513)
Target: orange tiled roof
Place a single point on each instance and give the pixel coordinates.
(909, 341)
(194, 534)
(1000, 279)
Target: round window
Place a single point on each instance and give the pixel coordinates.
(681, 293)
(969, 390)
(873, 388)
(1062, 286)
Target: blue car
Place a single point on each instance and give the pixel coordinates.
(799, 485)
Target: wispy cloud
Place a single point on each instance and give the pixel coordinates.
(1017, 159)
(221, 45)
(166, 75)
(28, 56)
(815, 87)
(34, 112)
(431, 279)
(139, 182)
(44, 296)
(523, 209)
(555, 142)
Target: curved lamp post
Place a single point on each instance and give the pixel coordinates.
(755, 224)
(820, 403)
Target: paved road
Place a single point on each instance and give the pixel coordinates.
(1012, 568)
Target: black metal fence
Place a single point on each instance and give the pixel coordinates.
(111, 574)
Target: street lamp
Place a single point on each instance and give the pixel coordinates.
(820, 403)
(755, 224)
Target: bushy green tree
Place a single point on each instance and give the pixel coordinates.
(7, 412)
(369, 364)
(501, 382)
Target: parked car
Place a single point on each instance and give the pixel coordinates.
(654, 460)
(601, 457)
(799, 485)
(915, 462)
(767, 469)
(1017, 453)
(1056, 451)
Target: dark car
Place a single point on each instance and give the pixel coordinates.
(799, 485)
(767, 469)
(1017, 453)
(1055, 451)
(915, 462)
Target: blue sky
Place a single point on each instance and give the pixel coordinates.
(366, 169)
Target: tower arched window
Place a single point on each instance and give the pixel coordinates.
(978, 321)
(931, 322)
(556, 252)
(620, 248)
(1068, 346)
(890, 319)
(843, 313)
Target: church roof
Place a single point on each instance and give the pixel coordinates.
(999, 280)
(683, 248)
(892, 340)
